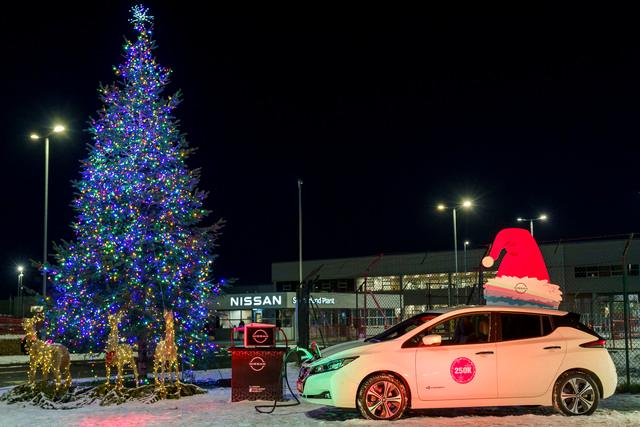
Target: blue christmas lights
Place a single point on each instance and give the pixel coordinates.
(138, 240)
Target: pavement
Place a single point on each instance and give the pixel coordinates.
(17, 373)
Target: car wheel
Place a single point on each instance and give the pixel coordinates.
(575, 393)
(382, 397)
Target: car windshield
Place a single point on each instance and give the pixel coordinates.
(403, 327)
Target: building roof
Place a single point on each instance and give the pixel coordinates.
(563, 252)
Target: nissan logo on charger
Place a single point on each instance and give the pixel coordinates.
(257, 363)
(259, 335)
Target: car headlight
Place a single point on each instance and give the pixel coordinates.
(332, 365)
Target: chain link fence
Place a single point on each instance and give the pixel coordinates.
(605, 315)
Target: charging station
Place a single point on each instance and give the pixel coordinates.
(256, 368)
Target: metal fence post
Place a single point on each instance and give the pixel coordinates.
(625, 302)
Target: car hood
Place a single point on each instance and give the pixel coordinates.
(330, 351)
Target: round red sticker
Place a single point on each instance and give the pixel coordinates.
(462, 370)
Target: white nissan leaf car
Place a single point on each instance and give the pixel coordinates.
(466, 357)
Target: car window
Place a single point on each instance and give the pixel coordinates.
(572, 320)
(468, 329)
(403, 327)
(516, 326)
(547, 327)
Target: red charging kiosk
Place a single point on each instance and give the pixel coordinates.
(256, 368)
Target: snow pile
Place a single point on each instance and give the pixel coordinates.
(77, 396)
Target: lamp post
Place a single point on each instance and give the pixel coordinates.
(441, 207)
(300, 230)
(297, 330)
(466, 243)
(35, 136)
(20, 275)
(542, 217)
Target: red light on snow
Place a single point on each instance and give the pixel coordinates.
(595, 344)
(130, 420)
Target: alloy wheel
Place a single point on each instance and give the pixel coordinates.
(577, 396)
(384, 399)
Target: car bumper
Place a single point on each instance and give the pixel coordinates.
(335, 388)
(609, 379)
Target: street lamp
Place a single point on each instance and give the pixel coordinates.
(542, 217)
(441, 207)
(20, 297)
(35, 136)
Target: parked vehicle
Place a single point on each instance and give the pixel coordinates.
(466, 357)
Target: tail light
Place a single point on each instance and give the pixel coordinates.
(595, 344)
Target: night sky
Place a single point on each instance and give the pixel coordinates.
(383, 114)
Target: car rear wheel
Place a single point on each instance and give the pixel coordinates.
(575, 393)
(382, 397)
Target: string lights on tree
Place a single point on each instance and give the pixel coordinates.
(139, 245)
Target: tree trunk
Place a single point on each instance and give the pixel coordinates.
(144, 359)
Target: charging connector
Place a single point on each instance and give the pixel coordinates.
(283, 374)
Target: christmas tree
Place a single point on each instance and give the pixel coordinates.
(138, 241)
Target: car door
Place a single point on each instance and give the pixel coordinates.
(463, 366)
(529, 354)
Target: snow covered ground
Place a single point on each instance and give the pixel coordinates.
(215, 409)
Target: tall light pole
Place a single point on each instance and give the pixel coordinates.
(466, 243)
(542, 217)
(35, 136)
(465, 204)
(300, 230)
(20, 297)
(300, 182)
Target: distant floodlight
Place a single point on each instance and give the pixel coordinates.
(441, 207)
(20, 269)
(466, 204)
(58, 128)
(34, 136)
(542, 217)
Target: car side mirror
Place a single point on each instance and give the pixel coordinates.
(431, 340)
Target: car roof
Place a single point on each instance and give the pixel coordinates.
(503, 308)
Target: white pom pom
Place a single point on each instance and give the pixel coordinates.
(487, 262)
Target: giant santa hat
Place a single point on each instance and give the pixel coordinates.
(523, 257)
(522, 278)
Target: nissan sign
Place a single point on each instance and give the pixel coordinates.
(256, 301)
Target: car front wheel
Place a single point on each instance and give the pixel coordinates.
(575, 393)
(382, 397)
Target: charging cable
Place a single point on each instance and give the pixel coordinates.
(283, 374)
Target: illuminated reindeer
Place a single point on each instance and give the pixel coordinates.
(166, 354)
(49, 357)
(117, 354)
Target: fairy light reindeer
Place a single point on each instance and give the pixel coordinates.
(49, 357)
(166, 354)
(117, 354)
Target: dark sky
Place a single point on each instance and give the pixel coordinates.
(383, 114)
